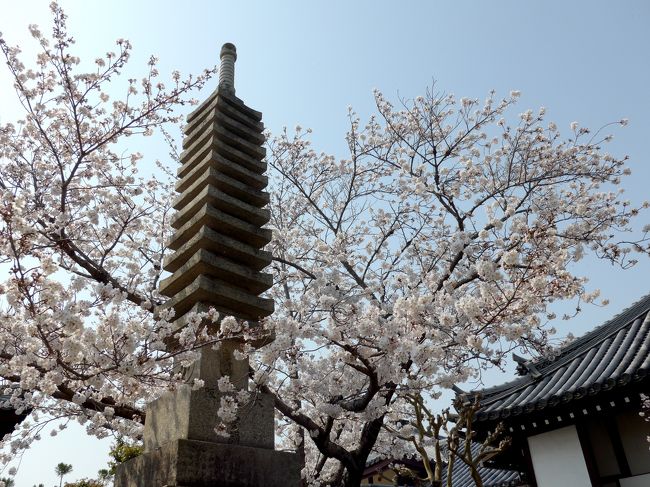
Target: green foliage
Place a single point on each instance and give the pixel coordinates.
(121, 452)
(8, 482)
(104, 474)
(84, 483)
(62, 469)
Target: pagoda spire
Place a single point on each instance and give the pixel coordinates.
(228, 57)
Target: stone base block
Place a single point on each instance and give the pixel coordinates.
(188, 463)
(192, 415)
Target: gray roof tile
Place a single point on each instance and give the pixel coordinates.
(612, 355)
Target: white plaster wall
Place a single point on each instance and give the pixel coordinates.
(558, 459)
(639, 481)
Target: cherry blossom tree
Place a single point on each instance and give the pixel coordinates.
(82, 237)
(428, 253)
(441, 439)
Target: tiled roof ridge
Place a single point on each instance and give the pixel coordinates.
(579, 346)
(602, 332)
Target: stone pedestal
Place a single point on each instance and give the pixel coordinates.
(192, 415)
(182, 448)
(193, 463)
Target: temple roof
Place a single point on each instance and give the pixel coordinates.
(491, 477)
(461, 476)
(609, 357)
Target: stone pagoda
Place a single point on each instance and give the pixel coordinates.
(217, 263)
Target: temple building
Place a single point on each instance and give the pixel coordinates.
(406, 472)
(575, 419)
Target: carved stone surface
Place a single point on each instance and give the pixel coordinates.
(192, 415)
(190, 463)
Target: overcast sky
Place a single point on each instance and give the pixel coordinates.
(305, 62)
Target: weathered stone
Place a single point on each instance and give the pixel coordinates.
(210, 195)
(206, 290)
(240, 106)
(229, 148)
(232, 139)
(253, 333)
(196, 152)
(233, 154)
(224, 224)
(202, 108)
(232, 100)
(213, 364)
(193, 156)
(211, 265)
(217, 116)
(233, 112)
(219, 102)
(185, 414)
(216, 161)
(188, 463)
(223, 183)
(254, 136)
(219, 244)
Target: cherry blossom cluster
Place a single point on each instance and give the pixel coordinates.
(426, 254)
(82, 238)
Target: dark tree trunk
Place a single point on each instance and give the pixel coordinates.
(352, 477)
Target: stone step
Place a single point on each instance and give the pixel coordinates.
(224, 183)
(211, 265)
(215, 116)
(218, 293)
(190, 172)
(224, 224)
(219, 244)
(224, 202)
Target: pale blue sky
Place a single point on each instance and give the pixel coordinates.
(305, 62)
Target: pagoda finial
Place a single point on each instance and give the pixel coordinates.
(227, 70)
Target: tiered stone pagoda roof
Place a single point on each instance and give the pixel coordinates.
(219, 234)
